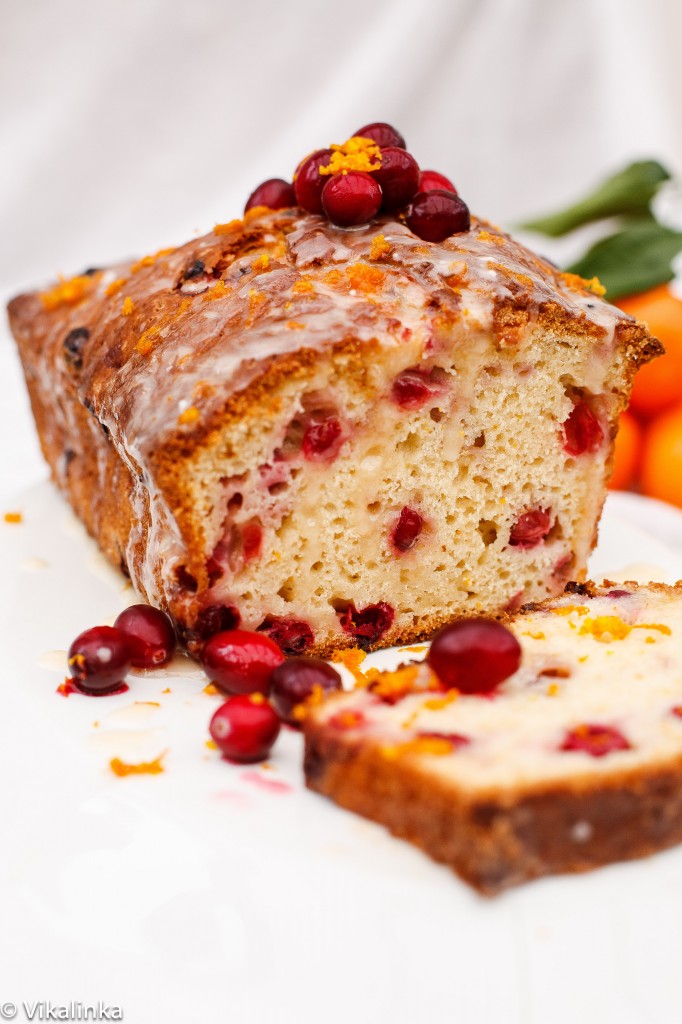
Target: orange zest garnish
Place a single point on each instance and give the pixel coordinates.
(13, 517)
(149, 261)
(355, 154)
(228, 228)
(379, 247)
(352, 658)
(189, 415)
(121, 768)
(68, 292)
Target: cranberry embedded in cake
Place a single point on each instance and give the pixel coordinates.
(267, 417)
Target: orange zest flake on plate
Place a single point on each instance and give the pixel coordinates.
(352, 658)
(68, 292)
(13, 517)
(211, 689)
(122, 768)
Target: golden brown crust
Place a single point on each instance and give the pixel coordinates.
(498, 841)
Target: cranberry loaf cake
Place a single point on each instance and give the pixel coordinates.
(572, 762)
(337, 435)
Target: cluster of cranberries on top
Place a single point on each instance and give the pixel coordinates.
(100, 658)
(371, 173)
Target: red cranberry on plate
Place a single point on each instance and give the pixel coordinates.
(99, 660)
(351, 198)
(294, 681)
(474, 655)
(596, 740)
(239, 661)
(381, 133)
(398, 177)
(276, 193)
(582, 431)
(434, 216)
(150, 635)
(433, 181)
(406, 531)
(245, 728)
(531, 528)
(308, 182)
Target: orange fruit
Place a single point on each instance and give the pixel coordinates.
(661, 475)
(627, 453)
(658, 385)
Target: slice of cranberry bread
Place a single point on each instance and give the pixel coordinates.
(573, 762)
(336, 436)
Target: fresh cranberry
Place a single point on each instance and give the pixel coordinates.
(677, 711)
(99, 659)
(398, 177)
(294, 681)
(433, 181)
(383, 134)
(596, 740)
(367, 624)
(410, 389)
(150, 635)
(322, 440)
(239, 661)
(436, 215)
(582, 431)
(474, 655)
(531, 528)
(275, 193)
(308, 182)
(216, 619)
(292, 636)
(351, 198)
(245, 728)
(407, 529)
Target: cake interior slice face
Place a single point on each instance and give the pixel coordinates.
(575, 761)
(379, 491)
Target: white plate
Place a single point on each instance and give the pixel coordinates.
(218, 892)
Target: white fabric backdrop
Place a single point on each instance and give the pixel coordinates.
(127, 126)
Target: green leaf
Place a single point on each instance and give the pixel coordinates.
(637, 258)
(628, 192)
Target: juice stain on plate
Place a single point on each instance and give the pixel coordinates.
(269, 785)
